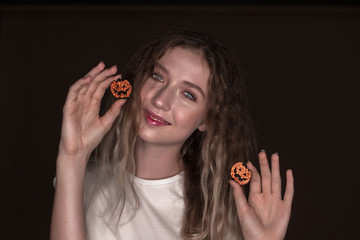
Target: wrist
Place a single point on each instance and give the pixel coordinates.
(71, 166)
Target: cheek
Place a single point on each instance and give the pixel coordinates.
(199, 115)
(145, 92)
(190, 119)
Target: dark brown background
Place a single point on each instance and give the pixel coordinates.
(301, 64)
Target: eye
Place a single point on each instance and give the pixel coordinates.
(157, 77)
(189, 95)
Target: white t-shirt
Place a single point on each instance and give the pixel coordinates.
(160, 213)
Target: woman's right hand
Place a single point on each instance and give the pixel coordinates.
(82, 130)
(82, 127)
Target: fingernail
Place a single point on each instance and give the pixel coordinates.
(248, 162)
(262, 150)
(276, 153)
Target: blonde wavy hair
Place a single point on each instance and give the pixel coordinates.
(208, 156)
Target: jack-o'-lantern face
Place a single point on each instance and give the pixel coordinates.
(121, 89)
(240, 173)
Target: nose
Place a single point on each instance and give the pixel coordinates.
(163, 98)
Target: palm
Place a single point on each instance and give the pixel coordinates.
(264, 215)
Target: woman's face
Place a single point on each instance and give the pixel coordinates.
(174, 97)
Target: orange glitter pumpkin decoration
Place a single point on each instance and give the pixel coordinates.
(240, 173)
(121, 89)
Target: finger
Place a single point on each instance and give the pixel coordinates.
(275, 175)
(110, 116)
(75, 88)
(289, 191)
(84, 88)
(265, 173)
(100, 90)
(96, 70)
(105, 73)
(95, 99)
(240, 199)
(255, 183)
(100, 78)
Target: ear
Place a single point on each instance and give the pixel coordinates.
(202, 127)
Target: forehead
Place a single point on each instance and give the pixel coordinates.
(184, 50)
(188, 61)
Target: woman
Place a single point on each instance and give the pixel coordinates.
(163, 164)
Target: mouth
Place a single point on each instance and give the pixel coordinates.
(155, 120)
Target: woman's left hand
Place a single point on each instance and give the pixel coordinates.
(265, 215)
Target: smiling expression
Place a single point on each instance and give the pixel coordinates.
(174, 97)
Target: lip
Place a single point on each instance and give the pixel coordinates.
(154, 119)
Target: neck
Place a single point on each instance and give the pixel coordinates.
(157, 161)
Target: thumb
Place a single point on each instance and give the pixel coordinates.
(114, 111)
(240, 199)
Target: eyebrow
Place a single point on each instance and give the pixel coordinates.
(190, 84)
(161, 67)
